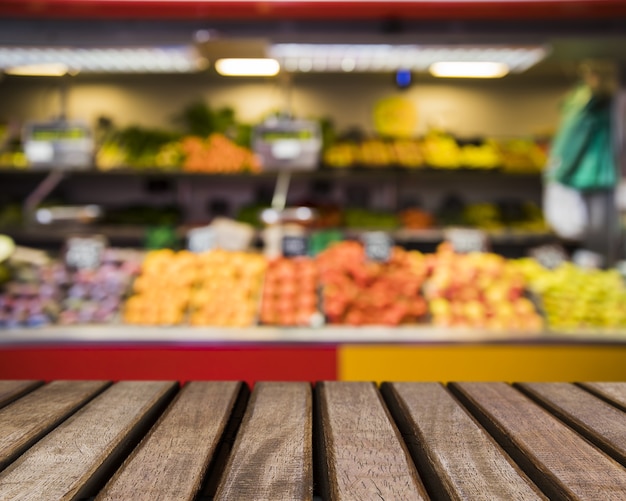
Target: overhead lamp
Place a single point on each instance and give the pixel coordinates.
(247, 67)
(169, 59)
(468, 69)
(38, 70)
(305, 57)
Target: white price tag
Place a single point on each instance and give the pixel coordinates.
(201, 239)
(378, 245)
(587, 259)
(466, 240)
(549, 256)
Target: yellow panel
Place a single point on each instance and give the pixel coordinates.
(482, 362)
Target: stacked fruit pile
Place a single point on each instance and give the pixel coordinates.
(33, 296)
(524, 155)
(361, 292)
(96, 296)
(44, 293)
(217, 154)
(290, 292)
(226, 292)
(439, 150)
(416, 219)
(478, 290)
(576, 298)
(163, 290)
(139, 147)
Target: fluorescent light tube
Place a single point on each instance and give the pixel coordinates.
(38, 70)
(175, 59)
(244, 67)
(468, 69)
(295, 57)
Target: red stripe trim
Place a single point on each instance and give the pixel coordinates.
(220, 9)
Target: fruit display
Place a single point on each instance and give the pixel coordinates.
(341, 155)
(227, 289)
(478, 290)
(96, 296)
(376, 153)
(217, 154)
(163, 289)
(416, 219)
(575, 298)
(369, 219)
(33, 296)
(523, 155)
(139, 148)
(439, 150)
(361, 292)
(290, 292)
(504, 215)
(45, 293)
(408, 153)
(201, 140)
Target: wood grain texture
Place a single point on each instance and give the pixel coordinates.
(63, 463)
(272, 455)
(11, 390)
(556, 458)
(613, 392)
(25, 421)
(364, 456)
(171, 461)
(457, 458)
(599, 422)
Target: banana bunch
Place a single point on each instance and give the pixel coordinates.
(376, 153)
(483, 156)
(409, 153)
(341, 155)
(441, 151)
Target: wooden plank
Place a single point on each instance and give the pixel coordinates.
(172, 460)
(615, 393)
(71, 461)
(272, 455)
(363, 455)
(562, 463)
(11, 390)
(598, 421)
(457, 458)
(25, 421)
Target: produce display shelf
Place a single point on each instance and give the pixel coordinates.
(136, 233)
(420, 334)
(321, 173)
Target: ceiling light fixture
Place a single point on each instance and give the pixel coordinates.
(171, 59)
(296, 57)
(247, 67)
(468, 69)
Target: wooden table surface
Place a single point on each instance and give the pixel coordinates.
(154, 440)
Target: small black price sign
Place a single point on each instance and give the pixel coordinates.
(201, 239)
(549, 256)
(378, 245)
(295, 245)
(466, 240)
(85, 252)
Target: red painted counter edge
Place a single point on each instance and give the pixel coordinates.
(248, 363)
